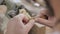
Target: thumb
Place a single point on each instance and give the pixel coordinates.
(23, 18)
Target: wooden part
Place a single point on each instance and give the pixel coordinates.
(23, 11)
(48, 30)
(38, 29)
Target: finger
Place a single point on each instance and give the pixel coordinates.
(14, 24)
(22, 17)
(29, 25)
(18, 20)
(26, 20)
(44, 21)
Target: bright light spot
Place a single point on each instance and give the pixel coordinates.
(37, 4)
(16, 1)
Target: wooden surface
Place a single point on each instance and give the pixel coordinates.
(48, 30)
(38, 29)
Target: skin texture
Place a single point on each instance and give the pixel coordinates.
(16, 25)
(56, 7)
(51, 22)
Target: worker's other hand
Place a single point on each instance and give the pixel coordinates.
(17, 26)
(51, 21)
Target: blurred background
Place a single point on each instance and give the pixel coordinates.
(11, 8)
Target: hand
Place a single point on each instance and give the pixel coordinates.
(16, 25)
(51, 22)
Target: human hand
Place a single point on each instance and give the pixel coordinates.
(51, 21)
(17, 26)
